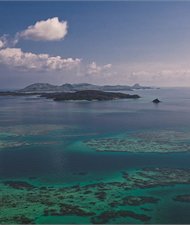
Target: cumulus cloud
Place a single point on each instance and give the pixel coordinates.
(1, 44)
(94, 69)
(27, 61)
(3, 41)
(154, 73)
(45, 30)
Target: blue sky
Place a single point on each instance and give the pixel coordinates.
(108, 42)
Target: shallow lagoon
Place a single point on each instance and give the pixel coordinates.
(44, 144)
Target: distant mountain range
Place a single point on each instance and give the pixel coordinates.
(45, 87)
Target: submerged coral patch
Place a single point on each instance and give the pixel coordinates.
(18, 136)
(139, 200)
(99, 202)
(144, 142)
(32, 129)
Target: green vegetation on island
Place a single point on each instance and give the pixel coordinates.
(88, 95)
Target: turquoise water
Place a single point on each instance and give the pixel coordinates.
(45, 144)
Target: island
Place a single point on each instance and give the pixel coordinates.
(81, 91)
(88, 95)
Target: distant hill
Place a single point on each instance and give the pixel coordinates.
(138, 86)
(45, 87)
(39, 87)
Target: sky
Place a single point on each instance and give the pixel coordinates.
(94, 42)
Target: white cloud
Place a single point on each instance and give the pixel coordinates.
(7, 41)
(153, 73)
(45, 30)
(1, 44)
(3, 41)
(94, 69)
(107, 66)
(26, 61)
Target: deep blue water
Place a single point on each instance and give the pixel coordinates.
(89, 120)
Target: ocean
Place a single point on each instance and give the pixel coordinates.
(80, 162)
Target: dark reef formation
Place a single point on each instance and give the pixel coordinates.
(99, 202)
(106, 216)
(182, 198)
(19, 185)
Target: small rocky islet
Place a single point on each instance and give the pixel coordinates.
(100, 202)
(156, 101)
